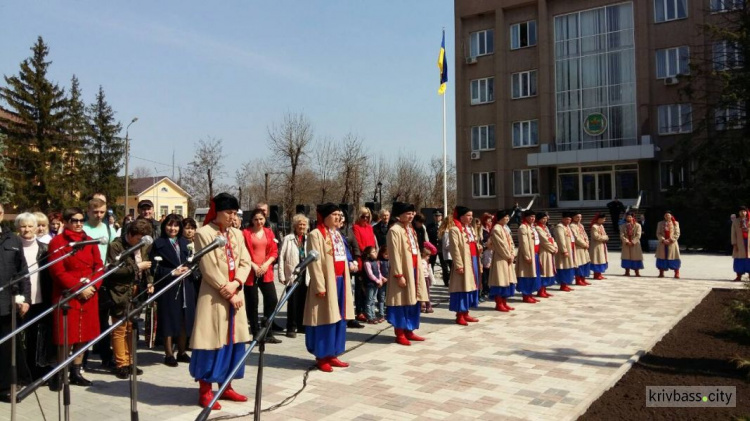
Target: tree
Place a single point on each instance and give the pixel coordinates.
(436, 178)
(36, 135)
(326, 164)
(352, 161)
(204, 170)
(142, 172)
(105, 149)
(6, 183)
(289, 143)
(77, 132)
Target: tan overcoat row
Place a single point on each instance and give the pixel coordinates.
(547, 252)
(502, 272)
(582, 244)
(400, 260)
(598, 249)
(325, 310)
(525, 268)
(564, 237)
(673, 250)
(739, 250)
(212, 311)
(634, 251)
(461, 254)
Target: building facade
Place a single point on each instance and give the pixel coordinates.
(576, 101)
(166, 195)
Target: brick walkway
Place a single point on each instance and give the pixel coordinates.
(543, 361)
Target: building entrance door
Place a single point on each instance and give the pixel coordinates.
(596, 186)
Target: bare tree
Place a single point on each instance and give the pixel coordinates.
(289, 142)
(352, 162)
(326, 163)
(142, 172)
(436, 179)
(204, 171)
(408, 181)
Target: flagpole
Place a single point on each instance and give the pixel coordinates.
(445, 163)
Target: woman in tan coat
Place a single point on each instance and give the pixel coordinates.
(464, 283)
(598, 249)
(502, 278)
(329, 297)
(547, 252)
(406, 282)
(565, 260)
(527, 267)
(220, 330)
(668, 251)
(630, 236)
(583, 259)
(739, 244)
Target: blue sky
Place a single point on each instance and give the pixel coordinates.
(229, 69)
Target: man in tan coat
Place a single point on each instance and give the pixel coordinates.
(502, 271)
(739, 244)
(527, 267)
(566, 254)
(583, 260)
(630, 236)
(668, 250)
(220, 330)
(598, 249)
(406, 282)
(463, 289)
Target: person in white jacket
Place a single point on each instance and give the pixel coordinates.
(292, 252)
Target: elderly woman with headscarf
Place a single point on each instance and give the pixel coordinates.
(329, 298)
(465, 277)
(598, 249)
(740, 251)
(292, 252)
(502, 279)
(527, 268)
(547, 252)
(668, 250)
(220, 331)
(630, 236)
(406, 282)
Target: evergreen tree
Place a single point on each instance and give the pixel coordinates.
(6, 183)
(105, 150)
(36, 136)
(77, 131)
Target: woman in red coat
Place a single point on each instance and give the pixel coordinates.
(261, 243)
(70, 274)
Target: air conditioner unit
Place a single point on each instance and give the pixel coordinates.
(671, 81)
(475, 155)
(471, 60)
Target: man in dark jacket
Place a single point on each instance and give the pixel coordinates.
(432, 234)
(12, 266)
(616, 208)
(381, 228)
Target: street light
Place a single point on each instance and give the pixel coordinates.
(127, 157)
(380, 190)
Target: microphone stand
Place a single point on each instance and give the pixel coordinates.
(260, 339)
(39, 269)
(13, 368)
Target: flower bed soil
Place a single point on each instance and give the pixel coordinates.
(696, 352)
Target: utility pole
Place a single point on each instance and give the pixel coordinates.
(127, 158)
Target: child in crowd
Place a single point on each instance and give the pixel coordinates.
(375, 282)
(385, 269)
(429, 278)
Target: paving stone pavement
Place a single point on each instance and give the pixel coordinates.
(542, 361)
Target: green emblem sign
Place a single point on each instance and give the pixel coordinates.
(595, 124)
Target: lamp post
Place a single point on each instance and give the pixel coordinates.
(127, 158)
(380, 190)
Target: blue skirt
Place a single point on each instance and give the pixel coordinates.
(548, 281)
(463, 301)
(632, 264)
(565, 276)
(599, 268)
(214, 365)
(584, 270)
(329, 340)
(503, 292)
(404, 317)
(663, 264)
(528, 285)
(741, 266)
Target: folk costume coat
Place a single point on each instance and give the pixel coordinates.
(631, 233)
(461, 253)
(211, 327)
(739, 251)
(673, 251)
(582, 244)
(325, 310)
(502, 270)
(524, 268)
(598, 248)
(547, 251)
(400, 260)
(564, 237)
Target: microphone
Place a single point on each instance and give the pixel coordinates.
(146, 240)
(219, 241)
(78, 244)
(312, 256)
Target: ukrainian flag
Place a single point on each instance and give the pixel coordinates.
(443, 66)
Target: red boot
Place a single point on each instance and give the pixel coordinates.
(499, 304)
(505, 304)
(529, 299)
(410, 335)
(661, 273)
(547, 294)
(565, 287)
(637, 273)
(738, 278)
(542, 293)
(324, 365)
(585, 282)
(205, 395)
(460, 319)
(677, 274)
(335, 362)
(230, 395)
(401, 337)
(580, 281)
(469, 318)
(627, 272)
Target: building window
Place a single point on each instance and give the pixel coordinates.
(672, 62)
(675, 118)
(482, 90)
(483, 138)
(178, 210)
(726, 5)
(525, 133)
(595, 79)
(672, 175)
(483, 184)
(524, 84)
(163, 210)
(525, 182)
(481, 43)
(523, 35)
(727, 55)
(666, 10)
(730, 118)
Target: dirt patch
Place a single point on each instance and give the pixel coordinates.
(696, 352)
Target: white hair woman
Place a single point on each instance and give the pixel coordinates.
(292, 252)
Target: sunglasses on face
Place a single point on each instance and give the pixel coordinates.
(75, 221)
